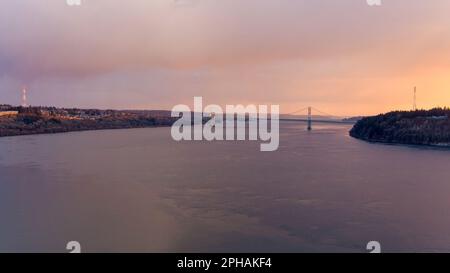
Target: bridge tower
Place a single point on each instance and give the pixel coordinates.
(309, 118)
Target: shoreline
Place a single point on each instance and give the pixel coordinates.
(20, 121)
(419, 128)
(401, 144)
(81, 130)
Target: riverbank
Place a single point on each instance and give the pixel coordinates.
(50, 120)
(418, 128)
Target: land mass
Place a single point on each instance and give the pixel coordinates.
(45, 120)
(421, 127)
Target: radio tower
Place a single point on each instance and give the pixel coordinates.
(24, 97)
(415, 99)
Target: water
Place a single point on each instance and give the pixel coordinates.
(137, 190)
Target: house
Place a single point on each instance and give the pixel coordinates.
(8, 113)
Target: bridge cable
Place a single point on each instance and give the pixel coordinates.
(298, 111)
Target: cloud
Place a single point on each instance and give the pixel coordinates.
(51, 38)
(310, 44)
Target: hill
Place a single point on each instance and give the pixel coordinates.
(421, 127)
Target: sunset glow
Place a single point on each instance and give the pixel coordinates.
(345, 57)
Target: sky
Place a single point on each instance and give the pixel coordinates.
(342, 57)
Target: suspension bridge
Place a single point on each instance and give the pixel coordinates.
(309, 117)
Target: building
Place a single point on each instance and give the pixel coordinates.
(8, 113)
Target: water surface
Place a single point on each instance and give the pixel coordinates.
(138, 190)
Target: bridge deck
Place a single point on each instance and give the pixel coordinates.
(318, 120)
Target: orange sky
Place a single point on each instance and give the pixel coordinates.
(342, 57)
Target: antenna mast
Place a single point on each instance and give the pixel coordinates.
(24, 97)
(415, 99)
